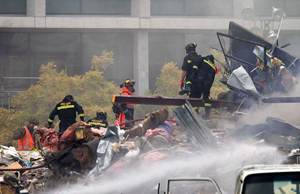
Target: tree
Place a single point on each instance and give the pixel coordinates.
(167, 85)
(90, 90)
(167, 81)
(103, 61)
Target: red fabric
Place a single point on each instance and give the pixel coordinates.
(218, 70)
(68, 137)
(180, 83)
(49, 138)
(26, 143)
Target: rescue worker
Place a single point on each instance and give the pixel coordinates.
(25, 135)
(275, 76)
(186, 81)
(203, 76)
(125, 112)
(99, 120)
(66, 111)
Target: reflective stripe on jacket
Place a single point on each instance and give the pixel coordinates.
(26, 143)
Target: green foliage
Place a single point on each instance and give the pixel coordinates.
(167, 83)
(9, 121)
(90, 90)
(103, 61)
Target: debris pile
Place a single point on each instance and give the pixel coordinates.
(22, 171)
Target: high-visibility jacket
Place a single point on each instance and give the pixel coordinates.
(127, 110)
(26, 143)
(120, 119)
(54, 149)
(126, 92)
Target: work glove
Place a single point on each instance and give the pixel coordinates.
(49, 125)
(181, 84)
(218, 70)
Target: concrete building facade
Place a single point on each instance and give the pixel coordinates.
(143, 34)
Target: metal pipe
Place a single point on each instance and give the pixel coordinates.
(22, 169)
(168, 101)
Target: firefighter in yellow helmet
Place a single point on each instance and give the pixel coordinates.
(125, 112)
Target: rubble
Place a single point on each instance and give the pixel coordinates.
(86, 154)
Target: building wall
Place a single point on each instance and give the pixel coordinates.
(144, 34)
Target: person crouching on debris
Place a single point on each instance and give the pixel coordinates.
(99, 120)
(25, 137)
(125, 112)
(66, 111)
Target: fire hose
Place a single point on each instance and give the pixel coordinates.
(141, 119)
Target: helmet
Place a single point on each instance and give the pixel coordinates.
(190, 47)
(129, 82)
(102, 114)
(211, 58)
(33, 121)
(68, 98)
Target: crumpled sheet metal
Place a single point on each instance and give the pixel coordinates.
(195, 128)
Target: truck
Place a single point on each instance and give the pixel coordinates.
(253, 179)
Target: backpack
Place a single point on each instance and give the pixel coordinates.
(116, 109)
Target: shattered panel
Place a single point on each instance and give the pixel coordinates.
(242, 51)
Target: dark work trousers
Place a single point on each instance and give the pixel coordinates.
(63, 126)
(202, 87)
(129, 116)
(205, 84)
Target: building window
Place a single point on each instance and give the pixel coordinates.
(264, 7)
(192, 7)
(88, 7)
(13, 6)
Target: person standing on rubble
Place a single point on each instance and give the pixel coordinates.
(186, 83)
(125, 112)
(25, 135)
(204, 76)
(99, 120)
(66, 111)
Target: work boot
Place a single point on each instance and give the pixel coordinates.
(182, 92)
(196, 110)
(206, 115)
